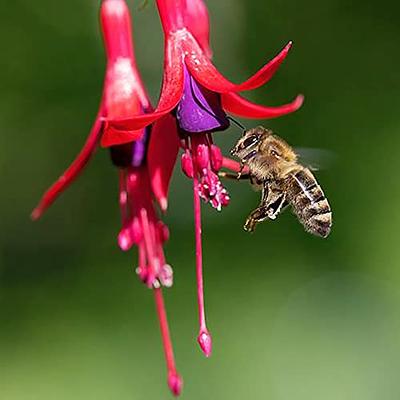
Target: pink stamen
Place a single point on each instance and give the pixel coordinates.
(216, 157)
(187, 164)
(233, 165)
(142, 268)
(163, 231)
(203, 158)
(125, 241)
(150, 250)
(204, 337)
(137, 234)
(141, 227)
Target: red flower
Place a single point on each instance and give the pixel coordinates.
(181, 29)
(199, 97)
(144, 142)
(123, 97)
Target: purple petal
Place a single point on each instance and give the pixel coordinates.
(199, 109)
(130, 154)
(139, 150)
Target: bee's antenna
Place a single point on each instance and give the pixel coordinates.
(237, 123)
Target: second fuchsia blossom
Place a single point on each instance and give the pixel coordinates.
(125, 96)
(199, 97)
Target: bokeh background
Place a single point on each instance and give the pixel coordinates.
(292, 316)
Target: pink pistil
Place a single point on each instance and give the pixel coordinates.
(205, 342)
(204, 338)
(201, 161)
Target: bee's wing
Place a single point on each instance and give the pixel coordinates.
(315, 159)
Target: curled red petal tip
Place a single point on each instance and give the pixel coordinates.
(238, 105)
(204, 71)
(205, 341)
(73, 170)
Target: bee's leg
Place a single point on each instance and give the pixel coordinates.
(238, 176)
(275, 207)
(260, 213)
(250, 224)
(272, 203)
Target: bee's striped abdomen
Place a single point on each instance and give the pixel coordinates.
(309, 203)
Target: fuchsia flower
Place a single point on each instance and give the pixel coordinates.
(125, 96)
(198, 96)
(144, 143)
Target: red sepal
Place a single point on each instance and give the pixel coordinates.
(171, 91)
(198, 23)
(235, 104)
(205, 72)
(72, 171)
(162, 153)
(113, 137)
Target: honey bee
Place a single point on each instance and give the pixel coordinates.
(274, 169)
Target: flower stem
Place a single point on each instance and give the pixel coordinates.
(117, 29)
(171, 14)
(204, 337)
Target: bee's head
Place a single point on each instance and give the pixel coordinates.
(261, 145)
(249, 144)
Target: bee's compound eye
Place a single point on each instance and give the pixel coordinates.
(250, 141)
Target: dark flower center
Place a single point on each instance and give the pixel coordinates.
(130, 154)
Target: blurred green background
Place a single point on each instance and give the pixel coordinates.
(292, 316)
